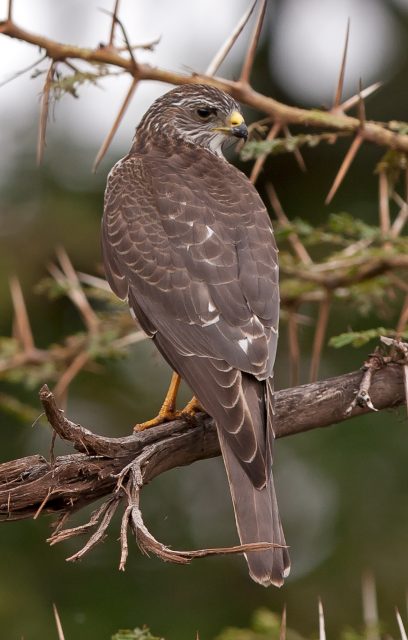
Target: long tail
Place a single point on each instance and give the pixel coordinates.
(257, 518)
(256, 510)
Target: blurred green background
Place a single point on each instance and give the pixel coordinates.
(342, 491)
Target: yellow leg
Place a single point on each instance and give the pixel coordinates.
(191, 408)
(168, 409)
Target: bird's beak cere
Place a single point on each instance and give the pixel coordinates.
(234, 126)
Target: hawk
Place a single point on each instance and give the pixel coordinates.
(186, 239)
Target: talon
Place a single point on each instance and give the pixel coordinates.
(191, 408)
(168, 409)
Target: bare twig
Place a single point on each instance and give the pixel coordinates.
(340, 83)
(365, 93)
(322, 627)
(296, 150)
(250, 55)
(320, 334)
(106, 143)
(75, 292)
(362, 398)
(58, 623)
(401, 627)
(226, 47)
(370, 609)
(345, 166)
(45, 103)
(384, 207)
(260, 161)
(402, 217)
(293, 237)
(113, 25)
(22, 322)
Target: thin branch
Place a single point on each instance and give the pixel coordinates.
(293, 238)
(402, 217)
(106, 143)
(226, 47)
(384, 207)
(340, 83)
(260, 161)
(296, 150)
(320, 334)
(76, 293)
(373, 132)
(113, 25)
(353, 101)
(70, 373)
(22, 320)
(45, 104)
(345, 166)
(58, 623)
(250, 56)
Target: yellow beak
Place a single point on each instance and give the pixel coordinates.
(234, 125)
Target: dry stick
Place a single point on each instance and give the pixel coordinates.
(370, 609)
(113, 25)
(99, 534)
(296, 150)
(322, 626)
(373, 131)
(45, 104)
(10, 10)
(58, 623)
(260, 161)
(226, 47)
(351, 102)
(401, 627)
(340, 83)
(253, 45)
(22, 322)
(384, 208)
(402, 216)
(76, 293)
(320, 333)
(70, 373)
(345, 166)
(282, 630)
(293, 237)
(106, 143)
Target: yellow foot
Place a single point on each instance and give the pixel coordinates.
(191, 408)
(164, 415)
(167, 414)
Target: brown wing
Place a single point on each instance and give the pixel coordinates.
(193, 251)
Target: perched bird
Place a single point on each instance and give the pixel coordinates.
(188, 242)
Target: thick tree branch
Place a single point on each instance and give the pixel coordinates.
(119, 467)
(108, 55)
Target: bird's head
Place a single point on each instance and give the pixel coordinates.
(198, 114)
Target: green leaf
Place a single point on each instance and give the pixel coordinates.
(360, 338)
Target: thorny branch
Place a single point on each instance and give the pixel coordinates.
(378, 133)
(117, 468)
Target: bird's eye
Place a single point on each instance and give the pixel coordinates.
(205, 112)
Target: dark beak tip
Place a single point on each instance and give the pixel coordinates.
(240, 132)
